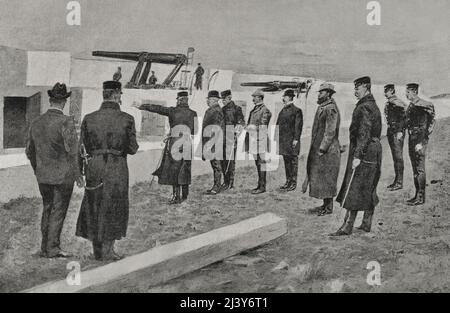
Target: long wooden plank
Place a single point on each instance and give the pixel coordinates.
(163, 263)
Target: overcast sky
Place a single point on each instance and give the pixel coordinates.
(327, 39)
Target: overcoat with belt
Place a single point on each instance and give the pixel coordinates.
(323, 171)
(109, 135)
(365, 133)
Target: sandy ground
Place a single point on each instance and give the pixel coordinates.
(412, 244)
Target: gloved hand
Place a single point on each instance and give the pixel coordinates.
(356, 163)
(419, 147)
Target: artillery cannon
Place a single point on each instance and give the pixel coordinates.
(144, 61)
(300, 87)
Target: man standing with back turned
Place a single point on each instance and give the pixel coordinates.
(108, 137)
(52, 148)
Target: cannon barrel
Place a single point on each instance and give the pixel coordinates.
(131, 56)
(267, 84)
(282, 85)
(162, 58)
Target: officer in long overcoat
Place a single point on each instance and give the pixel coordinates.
(257, 141)
(420, 124)
(175, 168)
(324, 156)
(395, 112)
(234, 124)
(359, 188)
(107, 137)
(289, 129)
(52, 148)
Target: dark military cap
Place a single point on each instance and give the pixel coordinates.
(112, 85)
(289, 93)
(412, 86)
(362, 80)
(59, 91)
(182, 94)
(213, 94)
(389, 87)
(225, 94)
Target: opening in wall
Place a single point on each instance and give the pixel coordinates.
(18, 113)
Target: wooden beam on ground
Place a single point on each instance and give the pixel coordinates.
(167, 262)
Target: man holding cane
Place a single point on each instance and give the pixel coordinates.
(359, 188)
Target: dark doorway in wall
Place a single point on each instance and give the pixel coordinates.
(18, 113)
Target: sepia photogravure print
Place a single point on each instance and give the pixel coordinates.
(251, 147)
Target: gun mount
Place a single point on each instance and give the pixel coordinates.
(144, 63)
(300, 87)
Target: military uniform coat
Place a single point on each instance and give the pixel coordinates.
(365, 133)
(420, 117)
(233, 116)
(289, 128)
(213, 118)
(109, 135)
(395, 112)
(173, 171)
(323, 171)
(259, 116)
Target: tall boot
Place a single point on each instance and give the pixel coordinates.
(226, 182)
(420, 199)
(366, 224)
(262, 183)
(396, 177)
(347, 228)
(231, 183)
(398, 182)
(184, 192)
(401, 170)
(416, 184)
(217, 181)
(176, 195)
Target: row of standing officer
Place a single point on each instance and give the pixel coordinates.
(418, 120)
(230, 118)
(363, 172)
